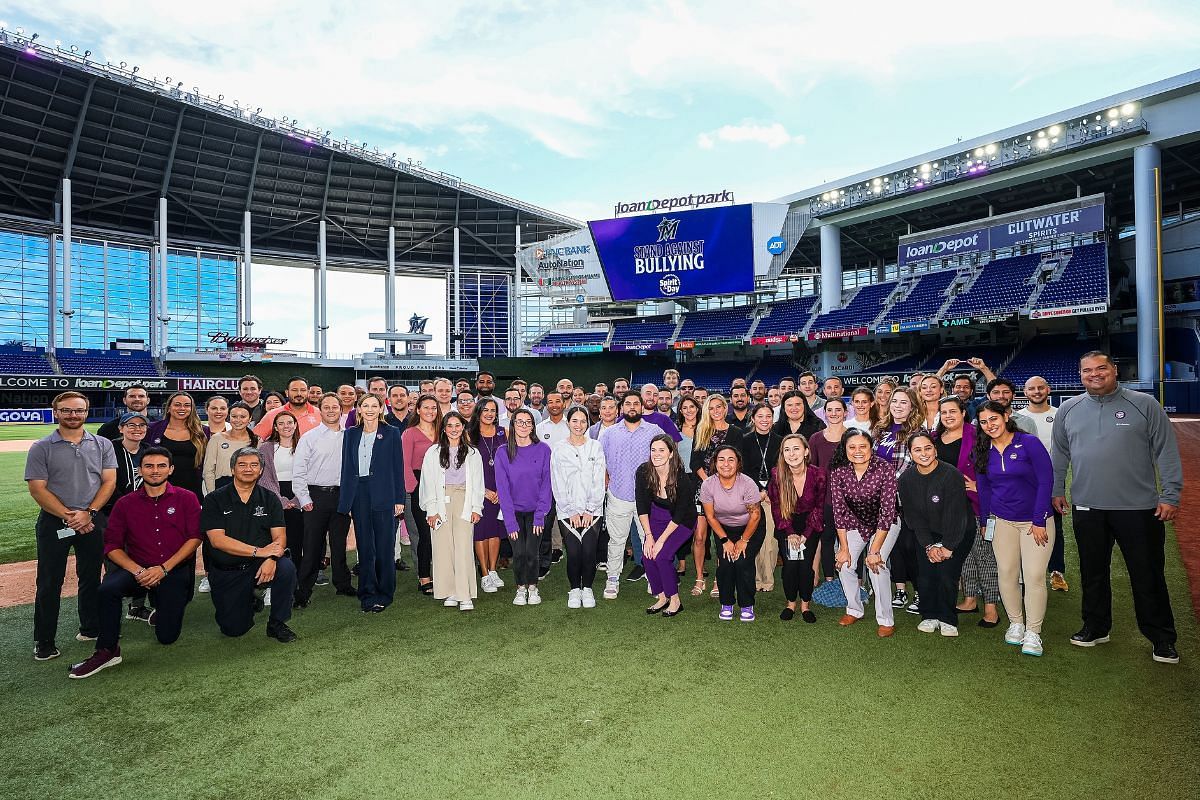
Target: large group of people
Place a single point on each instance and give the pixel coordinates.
(920, 496)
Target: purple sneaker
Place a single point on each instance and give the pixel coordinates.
(99, 660)
(726, 613)
(747, 614)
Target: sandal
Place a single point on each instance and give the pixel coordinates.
(699, 587)
(715, 591)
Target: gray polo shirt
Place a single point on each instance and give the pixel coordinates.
(71, 472)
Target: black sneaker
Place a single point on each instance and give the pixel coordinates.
(636, 574)
(543, 573)
(280, 632)
(44, 651)
(1165, 654)
(354, 570)
(321, 579)
(298, 603)
(900, 599)
(402, 565)
(350, 592)
(556, 556)
(139, 613)
(1088, 638)
(257, 603)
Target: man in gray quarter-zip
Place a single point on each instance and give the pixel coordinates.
(1112, 439)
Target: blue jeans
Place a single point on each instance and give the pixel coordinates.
(375, 532)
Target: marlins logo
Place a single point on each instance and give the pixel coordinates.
(668, 229)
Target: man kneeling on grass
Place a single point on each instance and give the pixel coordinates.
(245, 548)
(152, 536)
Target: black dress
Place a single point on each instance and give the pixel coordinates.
(183, 458)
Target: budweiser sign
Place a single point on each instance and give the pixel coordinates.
(243, 342)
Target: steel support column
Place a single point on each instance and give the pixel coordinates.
(1147, 217)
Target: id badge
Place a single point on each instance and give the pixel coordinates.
(66, 533)
(989, 531)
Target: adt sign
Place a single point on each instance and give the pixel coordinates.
(776, 245)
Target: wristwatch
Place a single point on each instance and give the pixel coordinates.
(255, 553)
(92, 511)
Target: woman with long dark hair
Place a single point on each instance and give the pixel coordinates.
(451, 493)
(577, 469)
(487, 435)
(862, 413)
(902, 420)
(182, 434)
(372, 492)
(797, 416)
(523, 484)
(223, 444)
(216, 412)
(420, 435)
(933, 499)
(732, 504)
(862, 487)
(277, 450)
(1014, 475)
(760, 453)
(666, 504)
(797, 491)
(822, 446)
(712, 432)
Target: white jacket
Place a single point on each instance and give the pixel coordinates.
(432, 490)
(577, 478)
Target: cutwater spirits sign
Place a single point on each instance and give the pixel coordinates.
(703, 252)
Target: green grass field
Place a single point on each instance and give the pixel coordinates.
(17, 511)
(12, 431)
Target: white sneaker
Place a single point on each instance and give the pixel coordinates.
(612, 587)
(534, 597)
(450, 602)
(929, 626)
(486, 584)
(949, 631)
(204, 587)
(520, 599)
(575, 598)
(466, 605)
(1015, 633)
(267, 597)
(589, 598)
(499, 584)
(1031, 644)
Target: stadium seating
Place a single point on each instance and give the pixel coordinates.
(1084, 280)
(716, 376)
(1054, 357)
(120, 363)
(776, 367)
(1002, 285)
(860, 312)
(905, 363)
(569, 338)
(787, 317)
(925, 299)
(717, 324)
(646, 332)
(24, 361)
(994, 355)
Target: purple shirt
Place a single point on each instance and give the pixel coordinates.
(867, 504)
(663, 421)
(1016, 486)
(811, 502)
(524, 484)
(624, 452)
(152, 529)
(729, 505)
(456, 474)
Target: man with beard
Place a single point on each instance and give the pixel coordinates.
(485, 384)
(808, 387)
(758, 391)
(651, 414)
(306, 414)
(136, 400)
(1003, 391)
(151, 540)
(250, 390)
(512, 403)
(739, 410)
(537, 401)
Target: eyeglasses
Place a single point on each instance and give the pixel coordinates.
(73, 412)
(140, 425)
(523, 423)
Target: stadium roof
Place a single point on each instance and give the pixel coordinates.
(125, 140)
(1170, 109)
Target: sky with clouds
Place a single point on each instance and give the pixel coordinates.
(578, 106)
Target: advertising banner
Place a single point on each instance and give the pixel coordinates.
(1068, 311)
(542, 349)
(1035, 227)
(781, 338)
(836, 333)
(685, 345)
(43, 415)
(903, 327)
(952, 244)
(690, 253)
(209, 384)
(633, 348)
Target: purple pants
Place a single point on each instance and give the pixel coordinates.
(660, 570)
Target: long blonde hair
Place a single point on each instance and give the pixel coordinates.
(706, 426)
(192, 423)
(915, 421)
(783, 476)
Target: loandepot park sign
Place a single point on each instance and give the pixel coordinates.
(672, 203)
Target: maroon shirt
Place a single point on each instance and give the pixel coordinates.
(811, 502)
(152, 529)
(865, 505)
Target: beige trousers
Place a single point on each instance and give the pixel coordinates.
(453, 551)
(768, 556)
(1017, 553)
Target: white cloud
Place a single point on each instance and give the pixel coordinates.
(773, 136)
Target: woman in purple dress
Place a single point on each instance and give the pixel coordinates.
(488, 437)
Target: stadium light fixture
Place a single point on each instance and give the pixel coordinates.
(1113, 113)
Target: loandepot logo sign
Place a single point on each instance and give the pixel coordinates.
(671, 203)
(939, 247)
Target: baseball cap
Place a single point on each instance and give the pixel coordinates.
(130, 415)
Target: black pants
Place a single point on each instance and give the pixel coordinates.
(171, 597)
(903, 561)
(828, 541)
(581, 554)
(424, 544)
(233, 595)
(52, 554)
(546, 546)
(138, 598)
(937, 584)
(293, 521)
(735, 579)
(324, 520)
(526, 550)
(1058, 555)
(798, 574)
(1142, 539)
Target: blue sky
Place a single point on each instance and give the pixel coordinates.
(577, 106)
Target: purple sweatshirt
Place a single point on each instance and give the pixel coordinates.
(663, 421)
(1016, 486)
(524, 485)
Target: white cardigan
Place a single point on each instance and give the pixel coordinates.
(432, 490)
(577, 478)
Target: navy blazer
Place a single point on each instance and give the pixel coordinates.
(387, 470)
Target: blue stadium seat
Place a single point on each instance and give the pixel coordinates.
(121, 363)
(1002, 285)
(925, 298)
(1084, 280)
(860, 312)
(642, 332)
(20, 360)
(787, 317)
(716, 324)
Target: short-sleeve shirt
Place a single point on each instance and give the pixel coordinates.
(72, 472)
(248, 522)
(730, 504)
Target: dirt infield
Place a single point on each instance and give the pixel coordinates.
(17, 446)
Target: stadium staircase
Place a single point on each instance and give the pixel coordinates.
(53, 359)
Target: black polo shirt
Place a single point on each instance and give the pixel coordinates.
(249, 522)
